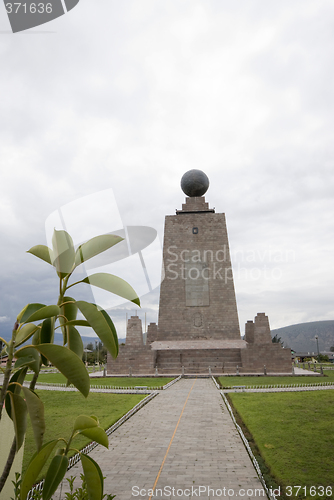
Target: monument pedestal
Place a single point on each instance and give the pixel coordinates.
(198, 328)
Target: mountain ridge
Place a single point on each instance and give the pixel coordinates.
(301, 336)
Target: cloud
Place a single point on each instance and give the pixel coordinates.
(129, 97)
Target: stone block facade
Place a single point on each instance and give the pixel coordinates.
(197, 297)
(261, 354)
(198, 328)
(134, 357)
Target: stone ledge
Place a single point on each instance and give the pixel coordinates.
(198, 344)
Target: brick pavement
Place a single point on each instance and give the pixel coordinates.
(206, 449)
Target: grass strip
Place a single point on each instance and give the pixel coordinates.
(261, 380)
(62, 408)
(121, 382)
(293, 433)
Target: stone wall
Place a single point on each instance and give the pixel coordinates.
(259, 331)
(134, 332)
(197, 297)
(272, 356)
(198, 361)
(261, 352)
(152, 333)
(132, 361)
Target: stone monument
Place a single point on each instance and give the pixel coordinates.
(198, 327)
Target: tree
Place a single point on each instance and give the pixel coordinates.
(323, 358)
(277, 340)
(37, 323)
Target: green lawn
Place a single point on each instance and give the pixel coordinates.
(230, 381)
(58, 378)
(61, 409)
(294, 433)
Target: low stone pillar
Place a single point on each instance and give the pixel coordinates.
(237, 369)
(209, 370)
(130, 371)
(182, 370)
(264, 370)
(156, 371)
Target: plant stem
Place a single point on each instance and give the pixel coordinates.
(8, 465)
(33, 381)
(8, 369)
(11, 455)
(12, 451)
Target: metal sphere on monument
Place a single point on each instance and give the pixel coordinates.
(194, 183)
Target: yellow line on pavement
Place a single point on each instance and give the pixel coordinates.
(170, 442)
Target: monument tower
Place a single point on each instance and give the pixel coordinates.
(198, 328)
(197, 297)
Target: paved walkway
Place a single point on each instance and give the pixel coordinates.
(183, 439)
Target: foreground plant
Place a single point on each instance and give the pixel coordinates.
(81, 492)
(89, 427)
(38, 323)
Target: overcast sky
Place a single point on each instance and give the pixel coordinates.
(124, 97)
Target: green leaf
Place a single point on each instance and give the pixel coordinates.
(24, 333)
(54, 475)
(19, 417)
(47, 331)
(77, 322)
(68, 312)
(84, 422)
(28, 361)
(68, 363)
(3, 341)
(28, 311)
(95, 246)
(68, 309)
(101, 325)
(63, 253)
(34, 468)
(93, 477)
(42, 252)
(46, 335)
(112, 329)
(113, 284)
(30, 357)
(36, 339)
(19, 316)
(14, 388)
(74, 341)
(96, 434)
(36, 413)
(18, 377)
(43, 313)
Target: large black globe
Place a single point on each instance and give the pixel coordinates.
(194, 183)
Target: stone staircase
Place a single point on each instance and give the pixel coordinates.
(198, 361)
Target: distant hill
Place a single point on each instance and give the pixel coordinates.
(59, 338)
(298, 337)
(301, 337)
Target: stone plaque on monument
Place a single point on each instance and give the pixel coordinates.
(197, 284)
